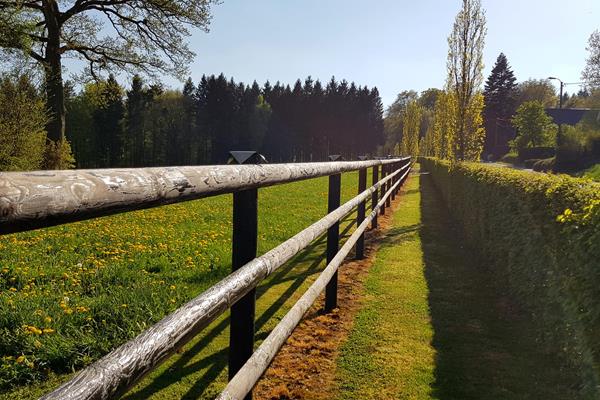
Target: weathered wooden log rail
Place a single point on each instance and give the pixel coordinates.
(30, 200)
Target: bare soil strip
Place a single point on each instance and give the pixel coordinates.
(305, 366)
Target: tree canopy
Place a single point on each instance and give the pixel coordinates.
(534, 126)
(465, 66)
(107, 35)
(591, 72)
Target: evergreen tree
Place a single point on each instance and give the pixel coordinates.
(500, 97)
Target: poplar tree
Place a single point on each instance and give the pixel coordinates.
(465, 66)
(411, 128)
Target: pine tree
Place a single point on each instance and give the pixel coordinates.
(500, 96)
(135, 106)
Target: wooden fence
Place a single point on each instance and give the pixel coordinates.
(30, 200)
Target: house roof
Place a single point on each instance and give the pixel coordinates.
(570, 116)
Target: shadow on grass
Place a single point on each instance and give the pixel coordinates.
(293, 274)
(484, 344)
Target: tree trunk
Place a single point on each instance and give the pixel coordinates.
(55, 99)
(53, 69)
(54, 82)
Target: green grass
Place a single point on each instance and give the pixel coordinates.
(388, 354)
(436, 325)
(593, 173)
(92, 285)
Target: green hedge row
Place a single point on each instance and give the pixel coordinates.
(540, 234)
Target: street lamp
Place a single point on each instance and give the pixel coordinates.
(562, 84)
(560, 104)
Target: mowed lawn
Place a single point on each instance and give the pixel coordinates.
(435, 324)
(70, 294)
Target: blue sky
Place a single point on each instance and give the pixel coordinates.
(392, 44)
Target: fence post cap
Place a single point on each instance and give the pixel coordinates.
(246, 157)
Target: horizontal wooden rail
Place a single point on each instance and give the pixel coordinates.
(243, 382)
(115, 373)
(30, 200)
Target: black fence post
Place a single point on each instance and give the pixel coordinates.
(244, 244)
(360, 214)
(382, 189)
(394, 180)
(375, 195)
(333, 237)
(388, 201)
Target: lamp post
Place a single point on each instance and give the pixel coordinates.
(560, 104)
(562, 85)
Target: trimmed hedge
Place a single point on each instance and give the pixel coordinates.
(540, 235)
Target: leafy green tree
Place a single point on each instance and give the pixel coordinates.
(411, 129)
(591, 72)
(428, 97)
(145, 36)
(500, 98)
(22, 121)
(534, 126)
(465, 66)
(444, 125)
(537, 90)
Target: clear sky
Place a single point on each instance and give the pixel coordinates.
(393, 44)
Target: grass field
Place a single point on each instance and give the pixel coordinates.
(70, 294)
(436, 326)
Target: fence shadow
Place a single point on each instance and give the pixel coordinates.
(293, 274)
(483, 340)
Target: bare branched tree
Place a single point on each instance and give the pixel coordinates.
(145, 36)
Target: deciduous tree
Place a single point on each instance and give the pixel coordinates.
(126, 35)
(22, 120)
(465, 66)
(534, 126)
(591, 72)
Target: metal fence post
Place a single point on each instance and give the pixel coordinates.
(244, 244)
(375, 195)
(360, 214)
(333, 237)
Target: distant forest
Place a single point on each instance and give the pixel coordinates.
(146, 125)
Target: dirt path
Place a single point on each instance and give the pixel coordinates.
(305, 366)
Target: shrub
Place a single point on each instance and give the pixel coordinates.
(578, 148)
(536, 152)
(511, 158)
(544, 165)
(539, 234)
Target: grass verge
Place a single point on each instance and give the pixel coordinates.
(436, 325)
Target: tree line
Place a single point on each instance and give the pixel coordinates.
(464, 122)
(146, 124)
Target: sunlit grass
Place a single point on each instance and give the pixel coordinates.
(70, 294)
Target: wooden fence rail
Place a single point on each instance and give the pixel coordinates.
(243, 382)
(30, 200)
(38, 199)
